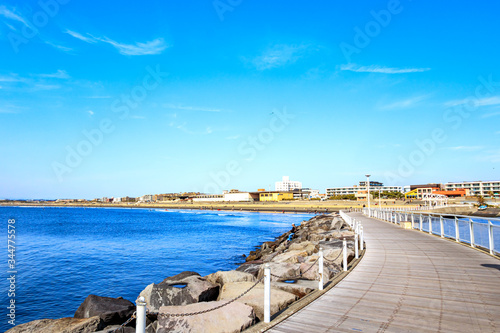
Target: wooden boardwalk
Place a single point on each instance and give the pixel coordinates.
(408, 281)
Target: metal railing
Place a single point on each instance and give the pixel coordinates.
(475, 231)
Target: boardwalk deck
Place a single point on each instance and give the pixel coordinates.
(408, 282)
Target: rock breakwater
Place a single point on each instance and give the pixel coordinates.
(225, 301)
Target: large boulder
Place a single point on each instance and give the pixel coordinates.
(182, 289)
(63, 325)
(310, 271)
(308, 247)
(281, 271)
(111, 310)
(290, 256)
(113, 329)
(250, 267)
(232, 318)
(223, 277)
(280, 299)
(299, 288)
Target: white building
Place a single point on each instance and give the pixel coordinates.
(146, 198)
(477, 188)
(287, 185)
(374, 186)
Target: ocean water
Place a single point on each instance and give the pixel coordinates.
(65, 254)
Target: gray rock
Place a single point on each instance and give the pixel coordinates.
(223, 277)
(251, 268)
(182, 289)
(111, 329)
(280, 299)
(299, 288)
(232, 318)
(281, 271)
(63, 325)
(111, 310)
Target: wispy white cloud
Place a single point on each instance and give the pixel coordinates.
(90, 112)
(59, 47)
(464, 148)
(477, 102)
(381, 69)
(182, 127)
(492, 114)
(278, 56)
(99, 96)
(60, 74)
(12, 78)
(491, 156)
(7, 111)
(89, 39)
(403, 104)
(234, 137)
(10, 14)
(155, 46)
(40, 86)
(190, 108)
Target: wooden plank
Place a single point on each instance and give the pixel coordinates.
(407, 282)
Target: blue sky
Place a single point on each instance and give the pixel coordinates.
(127, 98)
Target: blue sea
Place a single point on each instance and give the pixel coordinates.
(65, 254)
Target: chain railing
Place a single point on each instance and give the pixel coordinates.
(188, 314)
(473, 230)
(125, 323)
(142, 311)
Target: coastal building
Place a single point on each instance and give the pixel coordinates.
(146, 198)
(231, 196)
(208, 198)
(305, 193)
(128, 199)
(286, 185)
(420, 191)
(275, 196)
(361, 188)
(483, 188)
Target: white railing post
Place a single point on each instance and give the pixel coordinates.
(420, 223)
(430, 224)
(140, 323)
(361, 240)
(412, 221)
(490, 237)
(442, 226)
(267, 293)
(471, 230)
(356, 253)
(320, 269)
(344, 250)
(457, 231)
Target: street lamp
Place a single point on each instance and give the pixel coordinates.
(368, 190)
(379, 201)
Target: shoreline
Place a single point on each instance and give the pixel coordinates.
(261, 251)
(310, 207)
